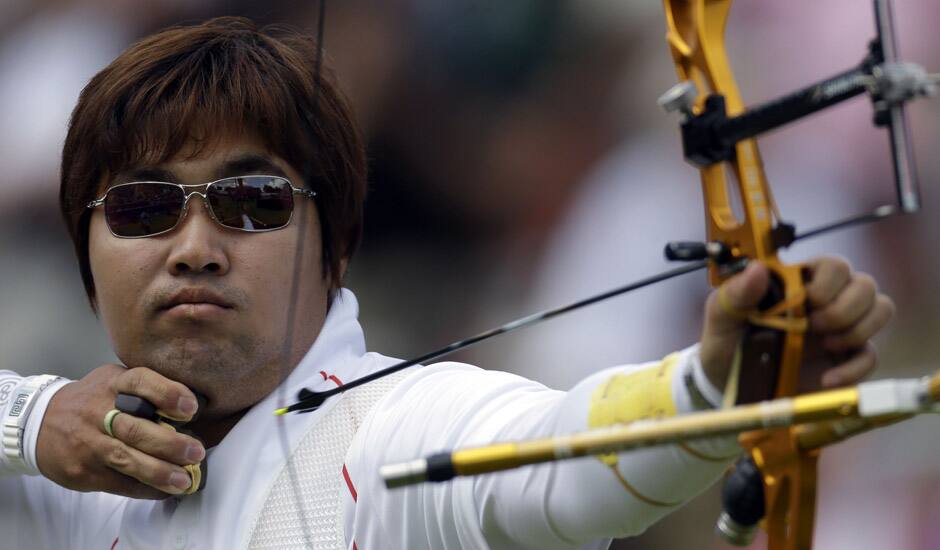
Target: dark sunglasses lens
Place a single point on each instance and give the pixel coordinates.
(143, 209)
(252, 203)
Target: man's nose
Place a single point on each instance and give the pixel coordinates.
(198, 242)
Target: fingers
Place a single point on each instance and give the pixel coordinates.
(864, 329)
(855, 369)
(157, 441)
(828, 276)
(159, 474)
(146, 451)
(172, 399)
(848, 307)
(143, 460)
(847, 311)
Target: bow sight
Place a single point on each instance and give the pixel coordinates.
(710, 135)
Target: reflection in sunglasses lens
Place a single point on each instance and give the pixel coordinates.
(252, 203)
(143, 208)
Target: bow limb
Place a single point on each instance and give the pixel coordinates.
(773, 349)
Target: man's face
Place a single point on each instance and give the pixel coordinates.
(231, 353)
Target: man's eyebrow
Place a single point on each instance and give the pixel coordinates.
(250, 164)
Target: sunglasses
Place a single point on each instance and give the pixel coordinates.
(247, 203)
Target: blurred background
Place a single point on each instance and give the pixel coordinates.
(518, 162)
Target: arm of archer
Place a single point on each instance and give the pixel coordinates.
(554, 506)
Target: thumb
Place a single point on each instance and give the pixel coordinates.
(726, 318)
(742, 293)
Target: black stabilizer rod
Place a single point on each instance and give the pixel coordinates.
(710, 136)
(795, 105)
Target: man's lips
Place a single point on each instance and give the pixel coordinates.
(195, 302)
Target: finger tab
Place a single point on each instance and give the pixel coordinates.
(135, 406)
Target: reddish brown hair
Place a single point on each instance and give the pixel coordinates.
(199, 81)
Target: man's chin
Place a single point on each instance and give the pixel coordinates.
(231, 374)
(222, 396)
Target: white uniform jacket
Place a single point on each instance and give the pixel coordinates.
(576, 504)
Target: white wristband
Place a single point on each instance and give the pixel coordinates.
(8, 382)
(17, 415)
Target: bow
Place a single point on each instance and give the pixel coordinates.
(718, 134)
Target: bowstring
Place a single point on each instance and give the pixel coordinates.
(285, 360)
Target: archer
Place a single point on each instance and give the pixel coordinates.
(212, 180)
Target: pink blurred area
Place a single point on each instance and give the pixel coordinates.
(519, 161)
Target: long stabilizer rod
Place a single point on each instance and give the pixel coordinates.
(868, 405)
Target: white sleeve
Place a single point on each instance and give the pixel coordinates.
(9, 383)
(560, 505)
(37, 514)
(34, 511)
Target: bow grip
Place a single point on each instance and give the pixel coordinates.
(762, 351)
